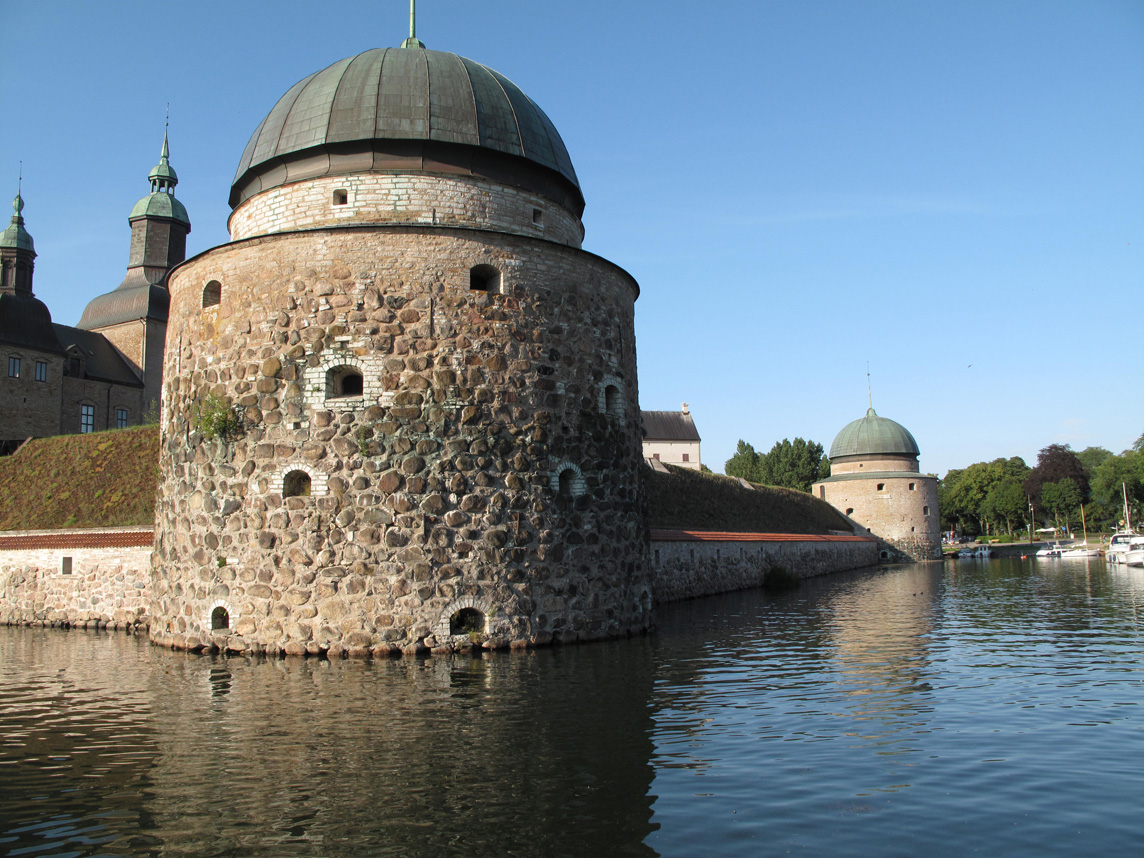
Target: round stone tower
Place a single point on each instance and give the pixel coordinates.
(399, 406)
(875, 481)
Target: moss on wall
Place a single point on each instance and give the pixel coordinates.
(689, 500)
(103, 479)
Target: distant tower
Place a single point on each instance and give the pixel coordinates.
(874, 479)
(134, 315)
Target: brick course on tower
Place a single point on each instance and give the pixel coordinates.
(434, 436)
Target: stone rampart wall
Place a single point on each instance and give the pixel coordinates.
(393, 198)
(688, 564)
(85, 578)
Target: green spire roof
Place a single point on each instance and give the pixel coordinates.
(15, 235)
(873, 435)
(161, 201)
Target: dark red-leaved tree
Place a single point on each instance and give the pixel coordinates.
(1057, 462)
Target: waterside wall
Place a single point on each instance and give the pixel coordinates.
(687, 564)
(101, 578)
(95, 578)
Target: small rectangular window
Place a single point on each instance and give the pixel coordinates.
(881, 486)
(86, 418)
(341, 197)
(686, 457)
(120, 418)
(911, 487)
(538, 217)
(655, 456)
(65, 565)
(13, 367)
(41, 370)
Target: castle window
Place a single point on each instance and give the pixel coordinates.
(341, 197)
(568, 481)
(87, 418)
(41, 370)
(484, 278)
(925, 510)
(120, 418)
(881, 486)
(220, 619)
(822, 492)
(687, 457)
(538, 217)
(13, 367)
(613, 402)
(343, 381)
(296, 484)
(850, 510)
(65, 565)
(467, 621)
(911, 487)
(212, 294)
(566, 478)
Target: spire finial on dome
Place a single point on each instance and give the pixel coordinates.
(413, 41)
(869, 391)
(163, 178)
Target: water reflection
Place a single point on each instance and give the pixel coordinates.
(989, 707)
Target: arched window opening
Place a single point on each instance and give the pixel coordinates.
(850, 510)
(567, 479)
(344, 381)
(613, 405)
(296, 484)
(220, 618)
(212, 294)
(341, 197)
(484, 278)
(467, 621)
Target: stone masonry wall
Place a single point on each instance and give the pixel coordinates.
(478, 471)
(703, 564)
(404, 198)
(75, 578)
(29, 407)
(906, 518)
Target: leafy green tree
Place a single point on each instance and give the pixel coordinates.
(744, 464)
(1091, 457)
(1115, 477)
(1063, 499)
(1006, 502)
(794, 464)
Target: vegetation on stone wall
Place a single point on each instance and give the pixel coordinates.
(688, 500)
(103, 479)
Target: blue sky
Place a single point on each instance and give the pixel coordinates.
(951, 192)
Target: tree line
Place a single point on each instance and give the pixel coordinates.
(792, 464)
(1006, 494)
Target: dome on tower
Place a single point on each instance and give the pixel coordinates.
(873, 435)
(408, 109)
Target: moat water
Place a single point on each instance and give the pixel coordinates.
(992, 708)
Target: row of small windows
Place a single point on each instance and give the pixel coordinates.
(15, 365)
(87, 418)
(482, 278)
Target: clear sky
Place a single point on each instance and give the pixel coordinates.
(950, 191)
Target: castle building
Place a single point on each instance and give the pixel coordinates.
(670, 437)
(103, 374)
(875, 481)
(400, 405)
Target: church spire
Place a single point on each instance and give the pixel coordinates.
(17, 250)
(413, 41)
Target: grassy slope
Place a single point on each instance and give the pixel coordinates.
(104, 479)
(688, 500)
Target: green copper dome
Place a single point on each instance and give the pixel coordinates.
(161, 201)
(16, 235)
(407, 109)
(873, 435)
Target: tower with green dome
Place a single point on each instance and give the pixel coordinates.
(876, 482)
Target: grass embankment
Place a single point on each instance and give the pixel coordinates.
(105, 479)
(689, 500)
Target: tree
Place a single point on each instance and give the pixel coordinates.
(794, 464)
(1062, 498)
(1115, 472)
(1006, 502)
(744, 464)
(1091, 457)
(1056, 462)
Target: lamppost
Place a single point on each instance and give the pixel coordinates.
(1030, 521)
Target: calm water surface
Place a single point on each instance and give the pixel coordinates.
(989, 708)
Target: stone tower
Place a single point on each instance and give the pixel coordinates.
(400, 406)
(875, 481)
(134, 315)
